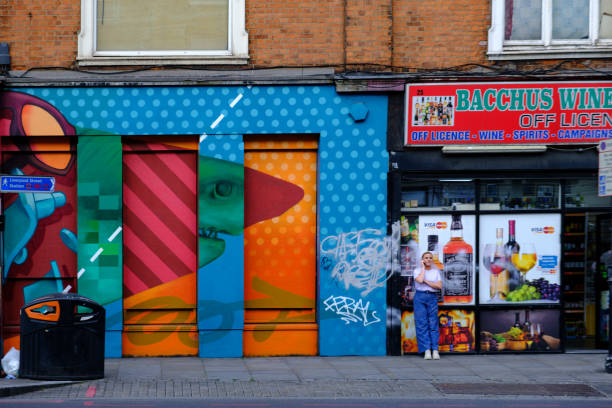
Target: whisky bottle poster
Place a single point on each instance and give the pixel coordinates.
(458, 280)
(528, 271)
(457, 331)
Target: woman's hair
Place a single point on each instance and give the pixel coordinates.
(425, 253)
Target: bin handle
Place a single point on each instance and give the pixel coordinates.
(48, 311)
(92, 313)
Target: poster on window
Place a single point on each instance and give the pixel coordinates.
(519, 258)
(451, 240)
(519, 330)
(457, 331)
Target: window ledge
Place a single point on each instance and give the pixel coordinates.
(186, 60)
(558, 52)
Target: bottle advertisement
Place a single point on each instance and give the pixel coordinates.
(519, 259)
(519, 330)
(451, 240)
(457, 331)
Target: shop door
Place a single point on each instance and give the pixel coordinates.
(280, 247)
(604, 269)
(160, 249)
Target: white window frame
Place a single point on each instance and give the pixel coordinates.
(237, 52)
(546, 48)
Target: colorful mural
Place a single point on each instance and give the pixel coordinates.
(280, 252)
(350, 203)
(39, 242)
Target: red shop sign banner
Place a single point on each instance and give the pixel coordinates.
(508, 113)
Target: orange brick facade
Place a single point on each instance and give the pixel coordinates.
(376, 34)
(384, 33)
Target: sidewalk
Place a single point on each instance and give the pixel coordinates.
(533, 376)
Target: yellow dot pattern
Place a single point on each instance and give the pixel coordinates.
(282, 250)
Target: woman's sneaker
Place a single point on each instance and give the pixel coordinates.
(436, 355)
(428, 355)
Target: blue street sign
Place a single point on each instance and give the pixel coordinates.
(27, 184)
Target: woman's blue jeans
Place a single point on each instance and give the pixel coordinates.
(426, 320)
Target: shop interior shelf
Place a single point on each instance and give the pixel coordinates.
(570, 292)
(574, 311)
(575, 253)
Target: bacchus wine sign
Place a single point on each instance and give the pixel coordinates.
(508, 113)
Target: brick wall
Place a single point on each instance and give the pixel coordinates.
(295, 32)
(400, 33)
(440, 33)
(40, 32)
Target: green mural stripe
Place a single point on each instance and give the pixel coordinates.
(99, 217)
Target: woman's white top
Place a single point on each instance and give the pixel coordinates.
(431, 275)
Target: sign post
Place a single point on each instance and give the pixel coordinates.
(27, 184)
(605, 168)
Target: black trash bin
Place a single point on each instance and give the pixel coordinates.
(62, 338)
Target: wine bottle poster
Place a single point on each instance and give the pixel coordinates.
(519, 330)
(519, 258)
(457, 331)
(452, 240)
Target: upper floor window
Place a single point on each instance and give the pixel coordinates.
(531, 29)
(144, 32)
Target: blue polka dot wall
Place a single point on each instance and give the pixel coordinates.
(352, 171)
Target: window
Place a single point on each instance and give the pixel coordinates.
(519, 194)
(137, 32)
(431, 195)
(532, 29)
(583, 193)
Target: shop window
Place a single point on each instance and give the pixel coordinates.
(519, 194)
(124, 32)
(522, 29)
(433, 195)
(583, 193)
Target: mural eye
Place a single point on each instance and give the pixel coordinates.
(223, 190)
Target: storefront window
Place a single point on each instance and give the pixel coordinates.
(519, 194)
(442, 195)
(583, 193)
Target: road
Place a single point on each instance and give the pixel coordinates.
(310, 403)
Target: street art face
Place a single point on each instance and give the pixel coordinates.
(39, 254)
(23, 117)
(221, 205)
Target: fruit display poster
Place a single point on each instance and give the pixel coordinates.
(519, 330)
(437, 228)
(526, 271)
(457, 332)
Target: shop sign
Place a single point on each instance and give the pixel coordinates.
(508, 113)
(605, 168)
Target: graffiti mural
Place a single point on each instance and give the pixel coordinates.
(39, 244)
(72, 133)
(351, 310)
(359, 259)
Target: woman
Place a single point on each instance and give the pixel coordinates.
(427, 282)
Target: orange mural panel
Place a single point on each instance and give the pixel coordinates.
(143, 341)
(280, 340)
(282, 251)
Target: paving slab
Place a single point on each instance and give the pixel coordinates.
(330, 377)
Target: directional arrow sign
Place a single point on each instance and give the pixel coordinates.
(27, 184)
